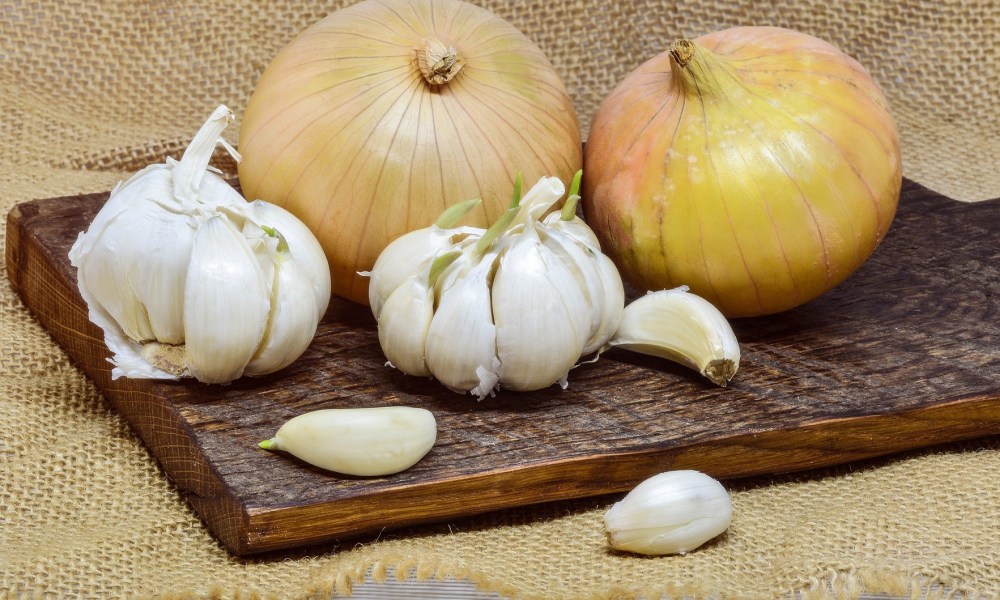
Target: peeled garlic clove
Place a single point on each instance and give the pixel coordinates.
(670, 513)
(403, 324)
(366, 442)
(226, 303)
(682, 327)
(461, 346)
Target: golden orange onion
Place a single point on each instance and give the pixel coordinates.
(376, 118)
(757, 165)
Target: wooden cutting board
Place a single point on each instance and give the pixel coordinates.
(904, 354)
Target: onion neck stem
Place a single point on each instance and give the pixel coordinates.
(682, 51)
(438, 61)
(699, 71)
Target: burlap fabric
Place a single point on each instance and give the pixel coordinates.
(91, 91)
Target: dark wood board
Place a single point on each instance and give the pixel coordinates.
(904, 354)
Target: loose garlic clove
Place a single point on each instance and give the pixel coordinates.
(366, 442)
(670, 513)
(682, 327)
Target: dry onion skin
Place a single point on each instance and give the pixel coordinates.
(379, 116)
(757, 165)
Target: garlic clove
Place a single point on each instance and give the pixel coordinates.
(405, 256)
(598, 277)
(461, 345)
(365, 442)
(670, 513)
(584, 270)
(305, 249)
(614, 303)
(292, 322)
(541, 312)
(226, 303)
(682, 327)
(127, 268)
(403, 323)
(576, 227)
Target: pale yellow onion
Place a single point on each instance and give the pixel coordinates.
(757, 165)
(346, 130)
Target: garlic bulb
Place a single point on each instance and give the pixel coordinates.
(670, 513)
(366, 442)
(188, 279)
(518, 304)
(515, 305)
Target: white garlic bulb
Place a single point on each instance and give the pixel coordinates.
(514, 306)
(670, 513)
(517, 305)
(188, 279)
(366, 442)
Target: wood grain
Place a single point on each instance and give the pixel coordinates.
(904, 354)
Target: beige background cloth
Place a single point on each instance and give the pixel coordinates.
(91, 91)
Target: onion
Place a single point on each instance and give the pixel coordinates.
(379, 116)
(757, 165)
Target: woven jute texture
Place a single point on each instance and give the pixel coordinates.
(92, 90)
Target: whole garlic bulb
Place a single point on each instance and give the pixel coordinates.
(516, 305)
(188, 279)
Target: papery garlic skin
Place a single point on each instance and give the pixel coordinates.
(670, 513)
(366, 442)
(188, 279)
